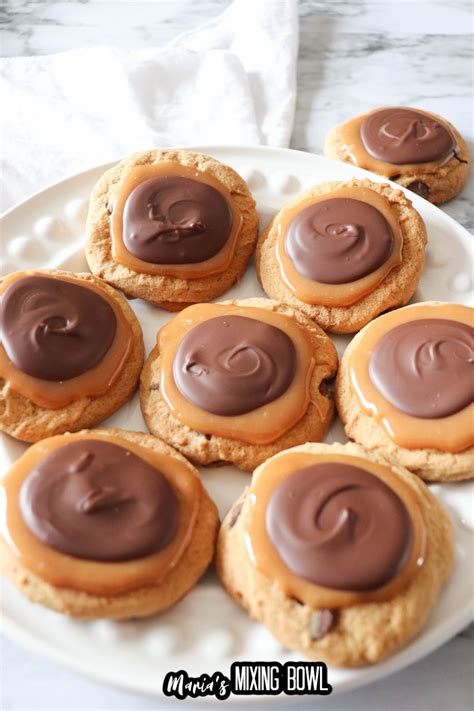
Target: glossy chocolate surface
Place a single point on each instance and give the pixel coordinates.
(338, 241)
(175, 220)
(400, 136)
(230, 365)
(53, 329)
(94, 500)
(338, 526)
(425, 367)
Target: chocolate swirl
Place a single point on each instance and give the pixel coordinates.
(425, 368)
(54, 329)
(175, 220)
(339, 240)
(405, 136)
(230, 365)
(339, 526)
(95, 500)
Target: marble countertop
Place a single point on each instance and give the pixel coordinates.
(354, 55)
(407, 51)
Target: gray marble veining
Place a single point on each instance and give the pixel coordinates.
(353, 55)
(357, 55)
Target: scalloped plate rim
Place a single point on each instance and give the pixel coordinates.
(431, 638)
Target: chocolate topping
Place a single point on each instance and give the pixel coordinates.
(54, 329)
(230, 365)
(425, 367)
(339, 526)
(175, 220)
(338, 241)
(95, 500)
(322, 622)
(398, 136)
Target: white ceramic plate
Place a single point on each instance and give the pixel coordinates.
(207, 631)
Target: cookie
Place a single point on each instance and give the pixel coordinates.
(106, 524)
(71, 354)
(343, 252)
(172, 227)
(416, 149)
(238, 381)
(286, 552)
(405, 389)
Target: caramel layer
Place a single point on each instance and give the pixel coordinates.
(355, 151)
(264, 556)
(97, 578)
(260, 426)
(217, 264)
(449, 434)
(94, 383)
(313, 292)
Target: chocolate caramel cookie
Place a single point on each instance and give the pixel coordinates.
(343, 252)
(105, 523)
(238, 381)
(71, 352)
(341, 555)
(405, 389)
(172, 227)
(414, 148)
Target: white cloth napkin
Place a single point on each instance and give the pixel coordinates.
(230, 81)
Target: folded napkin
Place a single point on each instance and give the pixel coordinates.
(230, 81)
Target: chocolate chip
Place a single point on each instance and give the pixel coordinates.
(419, 188)
(110, 207)
(208, 437)
(326, 388)
(297, 600)
(322, 622)
(154, 386)
(395, 177)
(235, 513)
